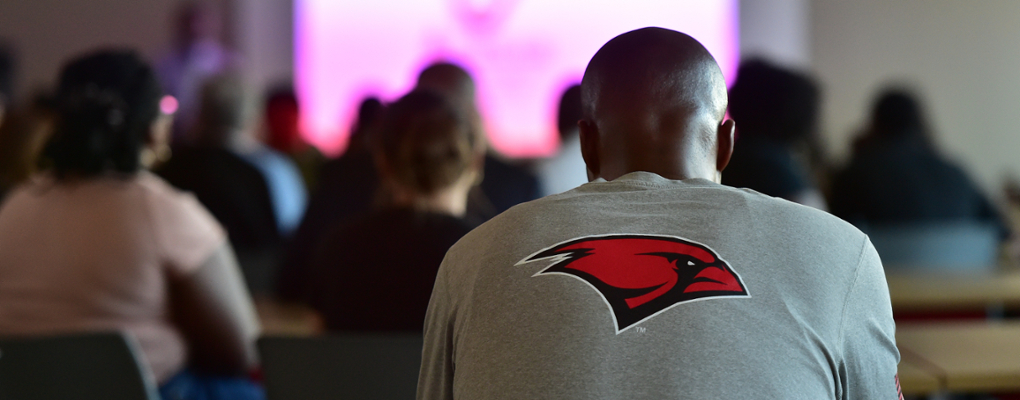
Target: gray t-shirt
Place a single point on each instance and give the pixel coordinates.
(644, 287)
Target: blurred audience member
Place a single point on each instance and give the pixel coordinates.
(224, 121)
(504, 185)
(283, 133)
(197, 53)
(566, 169)
(348, 188)
(6, 80)
(896, 175)
(98, 244)
(255, 192)
(775, 110)
(23, 133)
(377, 272)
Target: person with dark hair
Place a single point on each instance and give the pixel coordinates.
(505, 184)
(6, 79)
(283, 134)
(97, 243)
(776, 110)
(897, 176)
(429, 158)
(565, 170)
(348, 188)
(654, 281)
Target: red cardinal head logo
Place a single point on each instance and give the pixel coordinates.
(641, 276)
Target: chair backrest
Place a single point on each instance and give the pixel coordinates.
(341, 366)
(956, 246)
(76, 366)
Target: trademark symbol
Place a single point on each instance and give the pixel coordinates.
(640, 329)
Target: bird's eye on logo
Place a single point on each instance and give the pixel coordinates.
(640, 276)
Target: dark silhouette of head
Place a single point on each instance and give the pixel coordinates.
(107, 102)
(654, 100)
(6, 78)
(569, 112)
(425, 143)
(897, 113)
(370, 113)
(283, 115)
(773, 102)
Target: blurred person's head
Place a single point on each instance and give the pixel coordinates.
(569, 112)
(769, 101)
(107, 116)
(197, 20)
(225, 110)
(6, 80)
(897, 113)
(283, 115)
(456, 84)
(654, 100)
(427, 153)
(450, 80)
(370, 114)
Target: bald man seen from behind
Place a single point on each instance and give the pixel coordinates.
(653, 281)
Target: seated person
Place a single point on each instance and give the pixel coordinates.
(896, 175)
(96, 243)
(565, 170)
(348, 188)
(254, 191)
(283, 133)
(376, 273)
(654, 281)
(775, 110)
(505, 184)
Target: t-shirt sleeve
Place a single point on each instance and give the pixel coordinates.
(870, 356)
(186, 234)
(435, 380)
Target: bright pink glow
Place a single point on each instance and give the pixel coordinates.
(522, 53)
(168, 105)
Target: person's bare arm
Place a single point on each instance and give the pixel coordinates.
(215, 313)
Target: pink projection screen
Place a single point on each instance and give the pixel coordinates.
(522, 53)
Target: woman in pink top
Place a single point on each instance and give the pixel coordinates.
(98, 243)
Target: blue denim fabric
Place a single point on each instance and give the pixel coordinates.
(188, 385)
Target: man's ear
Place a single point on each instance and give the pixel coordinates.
(589, 135)
(725, 140)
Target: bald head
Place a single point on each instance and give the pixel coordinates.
(654, 100)
(449, 80)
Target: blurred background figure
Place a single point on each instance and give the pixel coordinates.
(6, 79)
(24, 131)
(776, 112)
(565, 170)
(197, 53)
(897, 176)
(377, 273)
(99, 244)
(283, 133)
(254, 191)
(349, 186)
(504, 185)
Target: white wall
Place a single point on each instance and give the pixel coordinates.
(777, 30)
(46, 33)
(961, 54)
